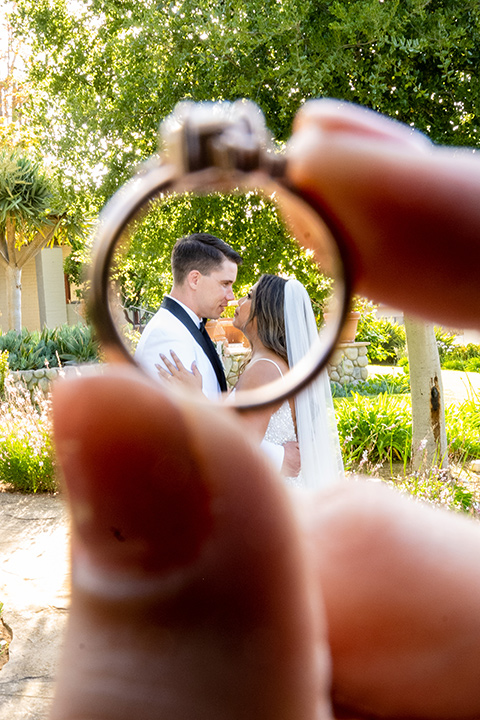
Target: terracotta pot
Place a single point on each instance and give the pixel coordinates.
(215, 330)
(233, 334)
(349, 329)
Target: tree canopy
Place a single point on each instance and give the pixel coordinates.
(107, 71)
(104, 73)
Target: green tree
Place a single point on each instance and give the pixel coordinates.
(107, 71)
(32, 216)
(249, 223)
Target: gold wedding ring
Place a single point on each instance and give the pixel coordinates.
(219, 147)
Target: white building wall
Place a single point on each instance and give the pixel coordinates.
(44, 301)
(51, 287)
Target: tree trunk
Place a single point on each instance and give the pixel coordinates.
(429, 441)
(14, 259)
(14, 297)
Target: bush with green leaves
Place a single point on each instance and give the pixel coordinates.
(463, 429)
(445, 341)
(51, 347)
(386, 338)
(3, 369)
(378, 429)
(374, 429)
(462, 357)
(397, 384)
(27, 461)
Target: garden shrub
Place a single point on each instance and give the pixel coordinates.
(51, 347)
(376, 429)
(26, 451)
(463, 429)
(462, 357)
(386, 338)
(445, 341)
(473, 364)
(377, 384)
(3, 369)
(453, 364)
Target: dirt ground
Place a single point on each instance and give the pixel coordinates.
(6, 636)
(35, 592)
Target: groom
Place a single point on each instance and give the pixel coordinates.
(204, 269)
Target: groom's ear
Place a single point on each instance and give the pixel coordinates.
(193, 278)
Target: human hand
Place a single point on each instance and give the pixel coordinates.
(177, 374)
(177, 608)
(291, 459)
(408, 209)
(201, 589)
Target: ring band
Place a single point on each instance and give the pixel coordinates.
(218, 147)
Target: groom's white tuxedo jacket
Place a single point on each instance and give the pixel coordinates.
(166, 332)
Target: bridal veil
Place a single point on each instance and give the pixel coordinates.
(317, 434)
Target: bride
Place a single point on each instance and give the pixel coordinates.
(277, 318)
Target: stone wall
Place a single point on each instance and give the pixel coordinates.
(42, 379)
(348, 363)
(234, 359)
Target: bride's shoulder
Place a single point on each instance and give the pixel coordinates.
(260, 371)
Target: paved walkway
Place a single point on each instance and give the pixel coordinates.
(34, 588)
(457, 386)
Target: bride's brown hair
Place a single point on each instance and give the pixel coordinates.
(268, 300)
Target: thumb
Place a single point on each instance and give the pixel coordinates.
(190, 594)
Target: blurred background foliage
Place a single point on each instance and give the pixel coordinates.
(100, 75)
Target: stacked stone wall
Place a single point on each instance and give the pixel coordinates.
(348, 363)
(42, 379)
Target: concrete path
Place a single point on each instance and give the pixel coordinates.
(457, 386)
(34, 589)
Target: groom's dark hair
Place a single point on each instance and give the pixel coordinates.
(202, 252)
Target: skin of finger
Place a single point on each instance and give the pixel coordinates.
(407, 206)
(191, 596)
(163, 373)
(168, 363)
(401, 583)
(177, 360)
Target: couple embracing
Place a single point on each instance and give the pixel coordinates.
(298, 435)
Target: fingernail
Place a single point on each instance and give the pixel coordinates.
(335, 119)
(137, 499)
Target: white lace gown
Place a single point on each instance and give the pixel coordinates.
(281, 429)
